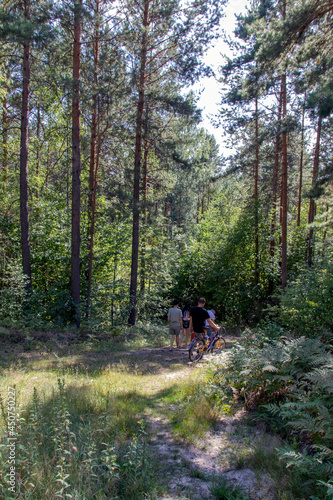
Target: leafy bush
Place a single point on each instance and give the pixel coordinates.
(12, 295)
(307, 304)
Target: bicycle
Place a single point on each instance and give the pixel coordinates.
(199, 347)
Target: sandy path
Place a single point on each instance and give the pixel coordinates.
(189, 470)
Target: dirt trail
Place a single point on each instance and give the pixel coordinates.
(189, 470)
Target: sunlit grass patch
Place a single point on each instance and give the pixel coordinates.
(124, 337)
(193, 413)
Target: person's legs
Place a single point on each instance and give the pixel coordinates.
(174, 332)
(185, 331)
(187, 334)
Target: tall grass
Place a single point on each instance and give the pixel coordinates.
(77, 443)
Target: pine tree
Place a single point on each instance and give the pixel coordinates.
(168, 49)
(76, 162)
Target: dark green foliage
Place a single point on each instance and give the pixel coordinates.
(306, 306)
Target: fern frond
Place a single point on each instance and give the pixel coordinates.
(270, 368)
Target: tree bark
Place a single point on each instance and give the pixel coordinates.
(5, 142)
(284, 175)
(312, 206)
(24, 213)
(76, 164)
(298, 222)
(145, 195)
(284, 185)
(137, 165)
(38, 159)
(256, 217)
(93, 169)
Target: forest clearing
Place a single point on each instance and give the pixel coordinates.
(117, 204)
(105, 419)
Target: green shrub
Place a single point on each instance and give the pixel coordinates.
(306, 306)
(12, 296)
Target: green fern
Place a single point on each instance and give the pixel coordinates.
(290, 382)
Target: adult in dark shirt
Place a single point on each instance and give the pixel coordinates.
(198, 317)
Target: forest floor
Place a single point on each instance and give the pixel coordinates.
(218, 459)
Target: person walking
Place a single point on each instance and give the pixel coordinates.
(197, 320)
(175, 323)
(212, 315)
(186, 312)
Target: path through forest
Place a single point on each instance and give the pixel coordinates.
(188, 468)
(191, 470)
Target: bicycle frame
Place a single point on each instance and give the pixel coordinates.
(201, 346)
(207, 344)
(212, 340)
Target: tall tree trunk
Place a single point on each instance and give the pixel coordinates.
(301, 168)
(275, 179)
(113, 290)
(76, 164)
(38, 159)
(5, 142)
(25, 237)
(284, 186)
(137, 164)
(93, 169)
(312, 206)
(145, 195)
(325, 231)
(284, 180)
(256, 217)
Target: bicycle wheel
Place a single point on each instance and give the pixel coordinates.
(218, 346)
(196, 351)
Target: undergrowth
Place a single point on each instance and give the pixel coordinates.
(223, 490)
(195, 412)
(84, 340)
(75, 446)
(288, 385)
